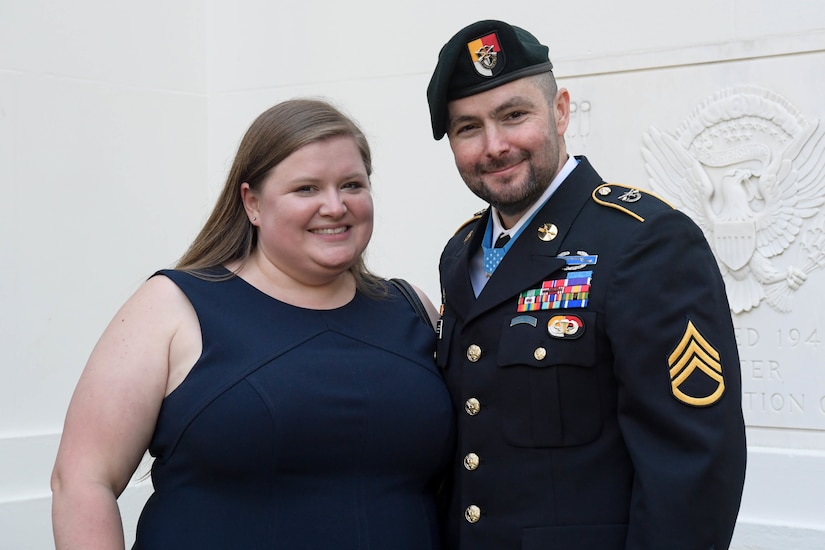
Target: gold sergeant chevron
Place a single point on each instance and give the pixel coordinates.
(693, 356)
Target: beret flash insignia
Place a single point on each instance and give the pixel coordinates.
(484, 53)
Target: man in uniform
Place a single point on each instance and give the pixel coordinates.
(591, 356)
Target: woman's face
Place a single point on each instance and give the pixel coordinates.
(314, 211)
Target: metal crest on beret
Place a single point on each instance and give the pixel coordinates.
(484, 53)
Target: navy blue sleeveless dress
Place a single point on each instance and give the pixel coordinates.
(300, 429)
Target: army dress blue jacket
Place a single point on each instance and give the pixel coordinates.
(596, 381)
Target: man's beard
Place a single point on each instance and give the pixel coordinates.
(520, 197)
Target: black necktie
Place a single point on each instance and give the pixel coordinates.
(502, 240)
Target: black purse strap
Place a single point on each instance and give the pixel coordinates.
(412, 297)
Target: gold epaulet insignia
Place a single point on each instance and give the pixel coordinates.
(695, 370)
(621, 197)
(475, 217)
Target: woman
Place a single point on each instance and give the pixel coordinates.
(288, 395)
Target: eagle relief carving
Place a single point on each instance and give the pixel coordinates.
(750, 170)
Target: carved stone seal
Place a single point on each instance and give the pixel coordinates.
(750, 170)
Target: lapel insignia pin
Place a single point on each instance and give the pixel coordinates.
(630, 196)
(548, 232)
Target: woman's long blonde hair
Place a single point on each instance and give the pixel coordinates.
(228, 236)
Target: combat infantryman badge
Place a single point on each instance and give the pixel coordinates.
(578, 261)
(695, 371)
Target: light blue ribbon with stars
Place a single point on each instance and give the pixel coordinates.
(493, 256)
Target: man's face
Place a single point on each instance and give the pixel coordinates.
(508, 144)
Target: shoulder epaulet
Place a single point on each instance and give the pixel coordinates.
(475, 217)
(633, 201)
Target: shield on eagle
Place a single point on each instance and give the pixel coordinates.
(735, 242)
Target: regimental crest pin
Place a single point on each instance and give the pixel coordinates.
(632, 195)
(695, 370)
(486, 55)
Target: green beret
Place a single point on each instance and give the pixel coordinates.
(478, 58)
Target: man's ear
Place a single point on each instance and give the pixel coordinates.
(562, 110)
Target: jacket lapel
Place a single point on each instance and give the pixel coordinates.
(457, 288)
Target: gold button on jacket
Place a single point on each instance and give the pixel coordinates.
(471, 461)
(472, 513)
(473, 353)
(472, 406)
